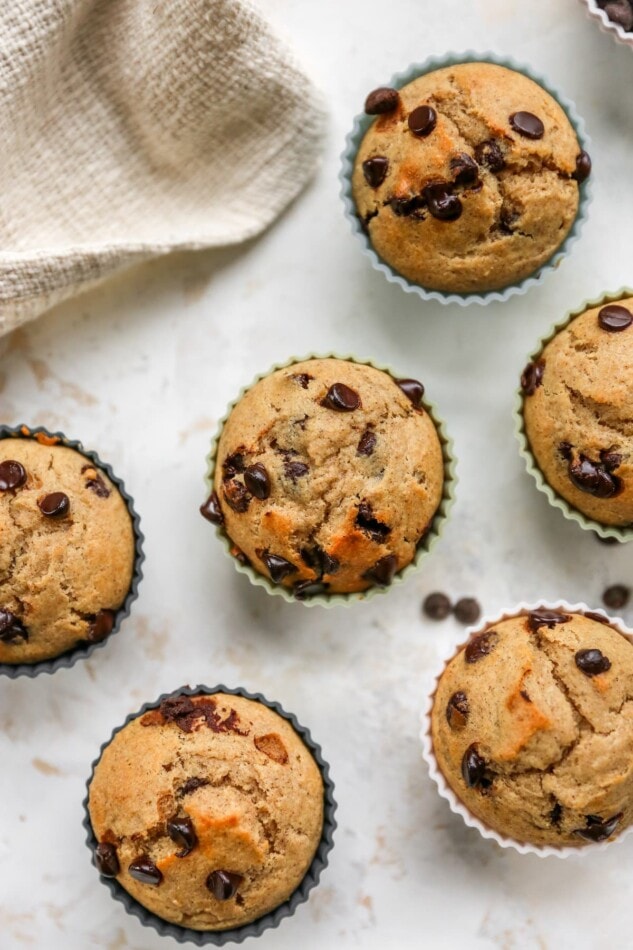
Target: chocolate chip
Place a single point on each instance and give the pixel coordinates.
(480, 646)
(532, 377)
(278, 567)
(233, 465)
(616, 596)
(304, 589)
(192, 784)
(341, 398)
(457, 710)
(593, 478)
(375, 170)
(383, 571)
(144, 870)
(409, 207)
(583, 167)
(95, 483)
(599, 618)
(365, 520)
(100, 626)
(614, 318)
(422, 120)
(437, 606)
(236, 496)
(11, 629)
(464, 169)
(610, 459)
(295, 470)
(489, 154)
(367, 443)
(106, 859)
(564, 449)
(223, 884)
(556, 814)
(608, 540)
(382, 100)
(620, 12)
(592, 662)
(527, 125)
(211, 509)
(257, 481)
(413, 390)
(55, 505)
(12, 475)
(319, 560)
(441, 202)
(182, 831)
(302, 378)
(599, 829)
(546, 618)
(474, 771)
(467, 610)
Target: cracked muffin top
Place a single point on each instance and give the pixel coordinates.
(577, 411)
(328, 475)
(66, 550)
(532, 727)
(208, 810)
(468, 179)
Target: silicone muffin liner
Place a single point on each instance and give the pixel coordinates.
(605, 24)
(84, 650)
(218, 938)
(430, 539)
(571, 513)
(443, 788)
(355, 137)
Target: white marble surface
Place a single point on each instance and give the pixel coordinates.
(142, 369)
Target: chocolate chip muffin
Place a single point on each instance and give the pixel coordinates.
(208, 810)
(532, 728)
(577, 412)
(468, 178)
(328, 476)
(66, 551)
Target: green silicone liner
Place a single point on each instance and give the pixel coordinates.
(571, 513)
(446, 502)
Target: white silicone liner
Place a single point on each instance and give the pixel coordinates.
(355, 137)
(605, 24)
(446, 792)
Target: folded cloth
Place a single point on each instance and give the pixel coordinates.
(131, 128)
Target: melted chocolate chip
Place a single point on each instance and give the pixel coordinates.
(599, 618)
(12, 475)
(464, 169)
(467, 610)
(211, 509)
(610, 459)
(100, 626)
(383, 571)
(564, 449)
(365, 520)
(583, 167)
(382, 100)
(620, 12)
(320, 561)
(614, 318)
(367, 443)
(556, 814)
(532, 377)
(295, 470)
(592, 662)
(305, 589)
(144, 870)
(409, 207)
(12, 630)
(236, 496)
(302, 378)
(233, 465)
(257, 481)
(437, 606)
(527, 125)
(375, 170)
(192, 784)
(441, 202)
(593, 478)
(599, 829)
(616, 596)
(546, 618)
(489, 154)
(457, 710)
(106, 859)
(95, 482)
(341, 398)
(55, 505)
(474, 771)
(182, 831)
(413, 390)
(223, 884)
(480, 646)
(278, 567)
(422, 121)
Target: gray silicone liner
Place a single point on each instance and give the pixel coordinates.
(84, 650)
(218, 938)
(355, 137)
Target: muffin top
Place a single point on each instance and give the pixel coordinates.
(207, 809)
(467, 180)
(328, 475)
(577, 411)
(66, 551)
(532, 727)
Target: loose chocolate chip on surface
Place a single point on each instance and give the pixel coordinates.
(278, 567)
(583, 167)
(375, 170)
(382, 100)
(304, 589)
(182, 831)
(383, 571)
(236, 496)
(532, 377)
(457, 710)
(12, 475)
(365, 520)
(616, 596)
(341, 398)
(422, 121)
(441, 202)
(295, 470)
(546, 618)
(100, 626)
(55, 505)
(527, 125)
(480, 646)
(413, 390)
(144, 870)
(467, 610)
(620, 12)
(367, 443)
(599, 829)
(437, 606)
(211, 509)
(489, 154)
(106, 859)
(11, 629)
(593, 478)
(592, 662)
(474, 770)
(224, 884)
(608, 540)
(464, 169)
(614, 318)
(257, 481)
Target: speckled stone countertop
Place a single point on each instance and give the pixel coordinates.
(142, 369)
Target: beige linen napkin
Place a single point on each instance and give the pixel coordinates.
(131, 128)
